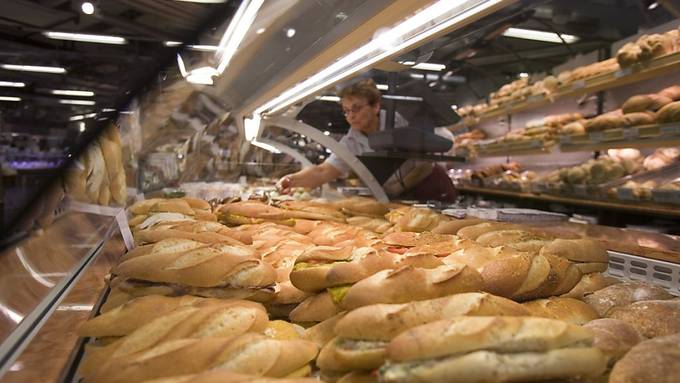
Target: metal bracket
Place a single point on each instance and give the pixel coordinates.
(340, 150)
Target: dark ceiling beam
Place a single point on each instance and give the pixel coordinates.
(534, 54)
(183, 15)
(121, 22)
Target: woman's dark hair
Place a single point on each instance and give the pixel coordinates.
(363, 88)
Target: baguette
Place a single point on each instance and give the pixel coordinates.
(248, 353)
(669, 113)
(419, 220)
(588, 284)
(507, 237)
(452, 226)
(361, 206)
(316, 308)
(410, 283)
(169, 245)
(492, 349)
(577, 250)
(622, 294)
(474, 231)
(305, 210)
(378, 225)
(565, 309)
(322, 332)
(672, 92)
(655, 360)
(220, 376)
(132, 315)
(645, 102)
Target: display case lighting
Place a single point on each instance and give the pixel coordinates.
(438, 17)
(76, 102)
(81, 126)
(87, 8)
(12, 84)
(265, 146)
(204, 48)
(34, 68)
(532, 34)
(10, 98)
(76, 93)
(425, 66)
(86, 38)
(236, 31)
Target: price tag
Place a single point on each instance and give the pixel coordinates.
(596, 136)
(578, 84)
(623, 72)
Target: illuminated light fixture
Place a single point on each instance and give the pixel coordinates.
(34, 68)
(524, 75)
(260, 31)
(326, 132)
(438, 17)
(77, 102)
(86, 38)
(425, 66)
(108, 110)
(531, 34)
(382, 87)
(454, 107)
(172, 43)
(265, 146)
(199, 76)
(204, 48)
(236, 31)
(251, 127)
(204, 1)
(76, 118)
(329, 98)
(74, 307)
(653, 5)
(418, 76)
(290, 32)
(10, 84)
(77, 93)
(9, 98)
(402, 98)
(87, 8)
(81, 126)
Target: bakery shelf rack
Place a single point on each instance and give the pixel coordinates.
(658, 67)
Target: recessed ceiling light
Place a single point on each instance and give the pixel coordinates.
(290, 32)
(9, 98)
(382, 86)
(329, 98)
(454, 107)
(87, 8)
(204, 48)
(77, 102)
(81, 126)
(33, 68)
(172, 43)
(531, 34)
(86, 38)
(653, 5)
(77, 93)
(524, 75)
(425, 66)
(260, 31)
(10, 84)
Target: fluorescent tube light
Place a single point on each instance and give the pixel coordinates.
(425, 66)
(9, 98)
(106, 110)
(86, 38)
(418, 76)
(81, 126)
(251, 127)
(87, 8)
(265, 146)
(382, 87)
(329, 98)
(524, 75)
(11, 84)
(238, 27)
(402, 98)
(204, 48)
(204, 1)
(76, 118)
(77, 102)
(77, 93)
(172, 43)
(531, 34)
(33, 68)
(438, 17)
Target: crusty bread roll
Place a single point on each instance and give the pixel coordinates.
(361, 206)
(182, 323)
(669, 113)
(245, 212)
(644, 103)
(220, 376)
(132, 315)
(576, 127)
(410, 283)
(591, 267)
(672, 92)
(654, 360)
(248, 353)
(310, 210)
(651, 318)
(342, 355)
(316, 308)
(385, 321)
(452, 226)
(144, 206)
(419, 220)
(168, 245)
(622, 294)
(654, 45)
(613, 337)
(474, 231)
(628, 55)
(638, 118)
(482, 349)
(611, 120)
(567, 309)
(413, 239)
(322, 332)
(378, 225)
(590, 283)
(189, 230)
(577, 250)
(508, 237)
(359, 377)
(215, 266)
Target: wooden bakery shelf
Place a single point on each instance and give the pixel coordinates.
(661, 65)
(649, 136)
(638, 207)
(502, 149)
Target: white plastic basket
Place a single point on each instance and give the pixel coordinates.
(631, 267)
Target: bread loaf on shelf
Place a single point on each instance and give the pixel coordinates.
(588, 284)
(567, 309)
(651, 318)
(669, 113)
(622, 294)
(613, 337)
(654, 360)
(645, 103)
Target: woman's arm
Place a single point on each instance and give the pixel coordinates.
(311, 177)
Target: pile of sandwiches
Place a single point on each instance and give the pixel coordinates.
(360, 291)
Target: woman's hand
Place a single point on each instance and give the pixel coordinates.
(284, 185)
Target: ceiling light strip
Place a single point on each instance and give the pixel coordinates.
(77, 102)
(77, 93)
(10, 98)
(532, 34)
(86, 38)
(34, 68)
(12, 84)
(236, 31)
(438, 17)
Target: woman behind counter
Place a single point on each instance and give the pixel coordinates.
(361, 107)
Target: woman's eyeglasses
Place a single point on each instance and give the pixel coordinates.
(354, 109)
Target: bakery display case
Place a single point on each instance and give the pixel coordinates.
(165, 251)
